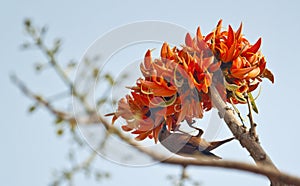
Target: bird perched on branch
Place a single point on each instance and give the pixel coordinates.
(187, 145)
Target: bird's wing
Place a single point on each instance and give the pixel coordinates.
(175, 142)
(195, 145)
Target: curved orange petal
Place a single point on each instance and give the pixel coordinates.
(155, 133)
(253, 49)
(166, 52)
(147, 59)
(253, 73)
(230, 37)
(268, 74)
(142, 136)
(215, 66)
(189, 40)
(126, 128)
(238, 33)
(219, 26)
(243, 72)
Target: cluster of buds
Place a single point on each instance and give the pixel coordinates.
(176, 86)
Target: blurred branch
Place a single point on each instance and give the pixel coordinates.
(39, 99)
(37, 40)
(183, 176)
(37, 36)
(85, 165)
(90, 119)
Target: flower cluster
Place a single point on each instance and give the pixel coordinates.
(243, 65)
(176, 86)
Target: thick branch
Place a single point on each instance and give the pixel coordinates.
(246, 139)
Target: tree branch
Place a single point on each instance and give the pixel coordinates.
(241, 134)
(252, 129)
(245, 138)
(66, 116)
(39, 99)
(267, 171)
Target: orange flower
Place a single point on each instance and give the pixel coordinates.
(171, 91)
(226, 45)
(242, 63)
(176, 86)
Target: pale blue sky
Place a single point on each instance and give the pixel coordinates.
(30, 148)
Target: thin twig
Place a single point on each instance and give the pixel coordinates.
(50, 54)
(63, 76)
(66, 116)
(238, 112)
(183, 176)
(75, 169)
(39, 99)
(51, 57)
(250, 116)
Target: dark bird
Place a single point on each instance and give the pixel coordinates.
(185, 144)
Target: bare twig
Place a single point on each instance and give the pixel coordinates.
(237, 112)
(50, 53)
(252, 129)
(90, 115)
(69, 174)
(51, 56)
(66, 116)
(39, 99)
(183, 176)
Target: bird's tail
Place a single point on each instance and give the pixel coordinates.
(216, 144)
